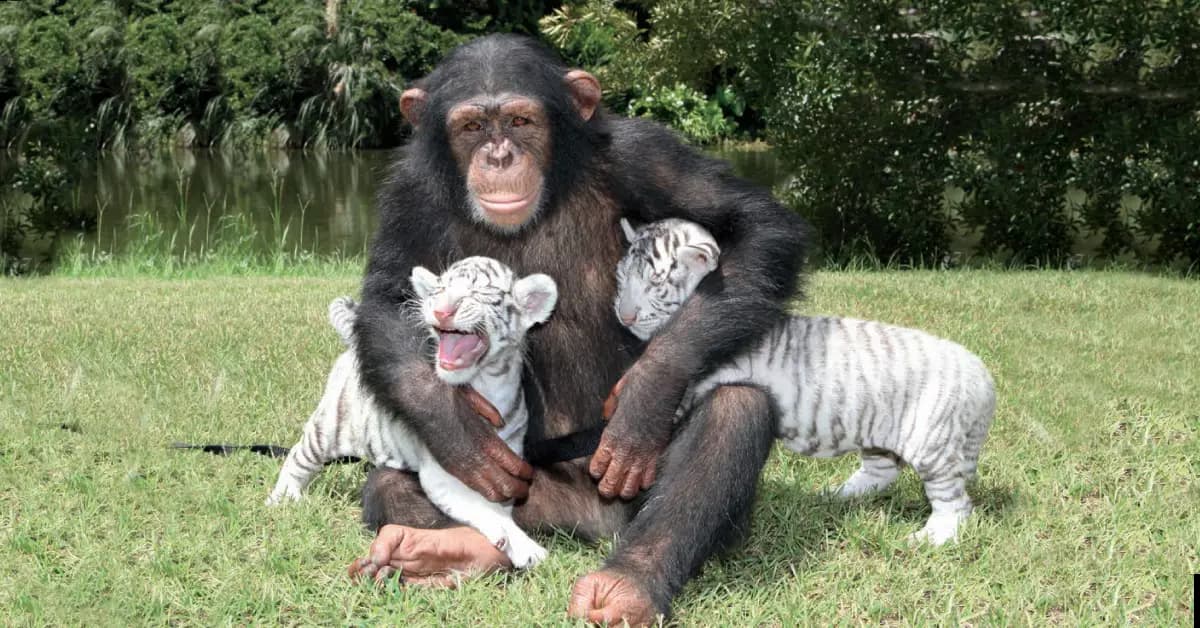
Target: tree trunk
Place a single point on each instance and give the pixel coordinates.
(331, 17)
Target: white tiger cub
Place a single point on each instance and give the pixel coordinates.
(478, 313)
(896, 395)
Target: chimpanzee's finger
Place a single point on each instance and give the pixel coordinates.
(434, 581)
(495, 484)
(512, 488)
(482, 406)
(509, 461)
(361, 568)
(610, 404)
(648, 476)
(383, 574)
(614, 476)
(600, 460)
(633, 483)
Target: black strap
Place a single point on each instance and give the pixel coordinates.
(271, 451)
(563, 448)
(574, 445)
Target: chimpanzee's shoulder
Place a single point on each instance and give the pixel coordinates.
(642, 136)
(406, 189)
(640, 145)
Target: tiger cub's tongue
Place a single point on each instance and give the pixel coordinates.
(455, 350)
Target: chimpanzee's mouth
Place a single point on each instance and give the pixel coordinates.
(506, 203)
(459, 349)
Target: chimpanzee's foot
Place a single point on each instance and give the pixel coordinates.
(431, 557)
(610, 597)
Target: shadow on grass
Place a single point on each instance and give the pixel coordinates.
(796, 528)
(343, 480)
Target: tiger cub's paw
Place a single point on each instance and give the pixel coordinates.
(940, 529)
(278, 497)
(523, 551)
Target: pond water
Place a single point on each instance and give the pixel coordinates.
(321, 202)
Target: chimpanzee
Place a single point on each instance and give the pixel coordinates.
(513, 157)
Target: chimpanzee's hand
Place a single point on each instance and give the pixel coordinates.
(640, 410)
(478, 457)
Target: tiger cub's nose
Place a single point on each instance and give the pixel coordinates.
(445, 315)
(629, 319)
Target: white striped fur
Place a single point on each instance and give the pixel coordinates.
(489, 302)
(342, 317)
(665, 262)
(896, 395)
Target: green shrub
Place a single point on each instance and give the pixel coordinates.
(1030, 126)
(700, 119)
(206, 72)
(1032, 105)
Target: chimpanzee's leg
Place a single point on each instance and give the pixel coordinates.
(396, 497)
(564, 496)
(700, 505)
(415, 537)
(561, 496)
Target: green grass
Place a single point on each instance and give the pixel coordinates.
(198, 246)
(1086, 506)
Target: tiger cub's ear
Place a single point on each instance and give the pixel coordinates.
(699, 257)
(423, 281)
(537, 296)
(630, 232)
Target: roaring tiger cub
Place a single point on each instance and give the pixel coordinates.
(477, 312)
(895, 395)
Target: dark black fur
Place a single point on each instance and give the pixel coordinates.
(602, 169)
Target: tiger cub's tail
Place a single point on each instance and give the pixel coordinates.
(342, 315)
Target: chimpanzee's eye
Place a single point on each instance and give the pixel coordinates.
(520, 121)
(472, 126)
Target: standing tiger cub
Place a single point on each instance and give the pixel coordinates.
(477, 312)
(895, 395)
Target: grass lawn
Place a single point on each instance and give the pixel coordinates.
(1087, 504)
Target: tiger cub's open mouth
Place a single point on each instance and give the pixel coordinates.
(459, 349)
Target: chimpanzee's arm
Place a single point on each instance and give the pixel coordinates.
(762, 250)
(391, 346)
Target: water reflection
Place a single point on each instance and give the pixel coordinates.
(321, 202)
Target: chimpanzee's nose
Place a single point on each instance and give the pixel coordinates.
(500, 155)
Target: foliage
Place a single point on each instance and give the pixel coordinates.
(700, 119)
(1030, 127)
(641, 72)
(476, 17)
(209, 72)
(604, 39)
(79, 76)
(1033, 126)
(37, 199)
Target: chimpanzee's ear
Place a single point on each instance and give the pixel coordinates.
(585, 91)
(700, 257)
(423, 282)
(412, 104)
(537, 296)
(630, 232)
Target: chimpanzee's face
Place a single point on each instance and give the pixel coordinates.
(502, 146)
(500, 138)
